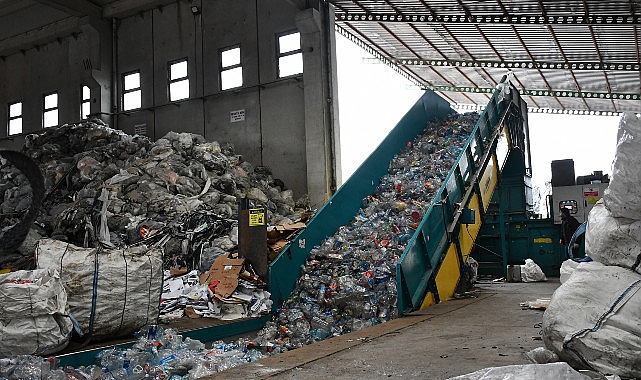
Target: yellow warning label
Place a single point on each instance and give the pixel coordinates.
(593, 200)
(543, 240)
(256, 217)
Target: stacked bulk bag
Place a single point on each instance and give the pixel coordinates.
(593, 320)
(111, 292)
(34, 317)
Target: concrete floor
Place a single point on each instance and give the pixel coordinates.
(452, 338)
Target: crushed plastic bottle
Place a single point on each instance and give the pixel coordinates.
(349, 280)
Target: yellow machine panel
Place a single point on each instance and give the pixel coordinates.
(467, 234)
(488, 182)
(428, 301)
(448, 274)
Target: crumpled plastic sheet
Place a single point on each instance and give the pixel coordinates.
(531, 272)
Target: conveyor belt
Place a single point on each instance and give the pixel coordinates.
(431, 265)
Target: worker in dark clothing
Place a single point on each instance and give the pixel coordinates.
(569, 224)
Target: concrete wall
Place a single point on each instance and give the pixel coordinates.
(290, 124)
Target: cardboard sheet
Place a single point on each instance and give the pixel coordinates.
(224, 270)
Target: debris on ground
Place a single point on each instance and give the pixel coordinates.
(539, 303)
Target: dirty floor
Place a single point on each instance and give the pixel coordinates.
(490, 328)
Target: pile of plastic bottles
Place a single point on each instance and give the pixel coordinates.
(346, 284)
(157, 354)
(349, 281)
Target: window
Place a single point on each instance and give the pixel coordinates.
(50, 114)
(85, 106)
(178, 81)
(231, 71)
(290, 57)
(15, 118)
(131, 93)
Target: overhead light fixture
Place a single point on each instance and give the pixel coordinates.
(195, 10)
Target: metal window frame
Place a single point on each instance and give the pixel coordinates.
(171, 80)
(280, 55)
(9, 117)
(222, 69)
(84, 101)
(46, 110)
(124, 91)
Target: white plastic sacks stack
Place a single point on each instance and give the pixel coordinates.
(613, 234)
(33, 313)
(592, 321)
(111, 293)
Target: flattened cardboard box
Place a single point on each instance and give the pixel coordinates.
(225, 271)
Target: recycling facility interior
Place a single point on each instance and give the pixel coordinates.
(92, 65)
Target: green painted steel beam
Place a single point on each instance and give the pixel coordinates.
(555, 93)
(542, 65)
(532, 19)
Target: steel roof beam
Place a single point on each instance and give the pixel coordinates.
(604, 19)
(572, 65)
(636, 38)
(565, 59)
(426, 6)
(532, 92)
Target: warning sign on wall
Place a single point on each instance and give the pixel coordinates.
(590, 191)
(256, 217)
(236, 116)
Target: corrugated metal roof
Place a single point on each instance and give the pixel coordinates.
(573, 56)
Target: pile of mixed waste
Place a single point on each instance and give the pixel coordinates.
(176, 199)
(180, 183)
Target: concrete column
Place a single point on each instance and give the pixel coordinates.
(321, 140)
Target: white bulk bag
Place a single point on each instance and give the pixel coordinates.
(33, 313)
(593, 320)
(111, 293)
(612, 241)
(525, 372)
